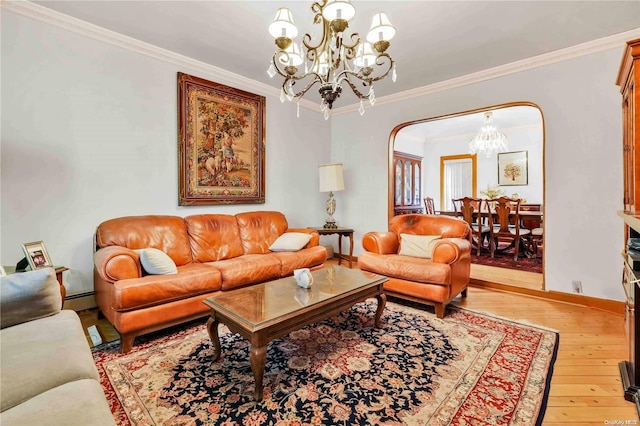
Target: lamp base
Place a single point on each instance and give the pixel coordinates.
(330, 225)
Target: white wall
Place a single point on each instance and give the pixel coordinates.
(581, 108)
(89, 133)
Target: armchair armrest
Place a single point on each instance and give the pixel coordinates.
(449, 250)
(381, 242)
(315, 237)
(28, 296)
(115, 263)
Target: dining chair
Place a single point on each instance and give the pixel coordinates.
(466, 208)
(533, 224)
(429, 206)
(504, 224)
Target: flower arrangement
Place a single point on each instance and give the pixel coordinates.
(492, 192)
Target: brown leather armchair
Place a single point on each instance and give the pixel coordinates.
(435, 280)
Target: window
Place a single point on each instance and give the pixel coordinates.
(457, 178)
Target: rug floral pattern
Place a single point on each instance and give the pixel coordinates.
(467, 368)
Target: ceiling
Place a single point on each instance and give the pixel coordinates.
(436, 40)
(469, 124)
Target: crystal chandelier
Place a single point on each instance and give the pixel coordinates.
(336, 59)
(489, 140)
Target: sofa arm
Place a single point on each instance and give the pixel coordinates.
(449, 250)
(28, 296)
(315, 236)
(115, 263)
(381, 242)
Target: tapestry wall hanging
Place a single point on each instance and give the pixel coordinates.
(221, 144)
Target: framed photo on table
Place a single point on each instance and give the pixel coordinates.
(37, 256)
(513, 168)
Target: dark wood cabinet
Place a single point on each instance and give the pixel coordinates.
(628, 80)
(407, 178)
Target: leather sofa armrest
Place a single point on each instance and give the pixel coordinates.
(315, 237)
(115, 263)
(449, 250)
(381, 242)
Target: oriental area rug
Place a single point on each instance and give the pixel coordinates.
(505, 260)
(467, 368)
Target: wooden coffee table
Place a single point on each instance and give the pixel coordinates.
(264, 312)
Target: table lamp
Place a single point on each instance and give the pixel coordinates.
(331, 179)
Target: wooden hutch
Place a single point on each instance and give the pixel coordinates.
(407, 175)
(629, 80)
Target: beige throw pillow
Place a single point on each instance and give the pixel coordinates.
(156, 262)
(290, 241)
(27, 296)
(418, 245)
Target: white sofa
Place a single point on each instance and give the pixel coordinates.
(47, 372)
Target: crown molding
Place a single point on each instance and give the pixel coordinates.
(52, 17)
(594, 46)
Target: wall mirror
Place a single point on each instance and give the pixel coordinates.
(448, 169)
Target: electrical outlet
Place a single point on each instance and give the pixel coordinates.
(94, 334)
(577, 286)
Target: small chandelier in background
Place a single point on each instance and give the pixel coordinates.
(489, 140)
(336, 59)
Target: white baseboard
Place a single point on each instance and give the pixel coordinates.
(80, 302)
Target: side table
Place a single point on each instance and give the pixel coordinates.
(59, 270)
(341, 232)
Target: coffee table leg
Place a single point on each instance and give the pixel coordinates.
(257, 356)
(382, 301)
(212, 328)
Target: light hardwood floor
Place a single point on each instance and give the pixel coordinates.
(586, 388)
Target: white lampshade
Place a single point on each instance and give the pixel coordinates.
(282, 25)
(381, 28)
(293, 56)
(331, 178)
(365, 56)
(338, 9)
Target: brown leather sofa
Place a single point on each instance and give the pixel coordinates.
(212, 253)
(436, 280)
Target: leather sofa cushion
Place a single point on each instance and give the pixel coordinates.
(305, 258)
(213, 237)
(406, 267)
(247, 269)
(258, 230)
(445, 226)
(166, 233)
(151, 290)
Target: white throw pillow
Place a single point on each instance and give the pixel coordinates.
(157, 262)
(418, 245)
(290, 241)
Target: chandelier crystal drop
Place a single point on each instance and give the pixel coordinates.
(489, 140)
(336, 59)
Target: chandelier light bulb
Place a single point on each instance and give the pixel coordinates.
(338, 9)
(381, 29)
(282, 25)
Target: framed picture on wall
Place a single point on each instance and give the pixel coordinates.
(37, 256)
(221, 150)
(513, 168)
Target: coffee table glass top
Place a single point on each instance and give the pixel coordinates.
(261, 303)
